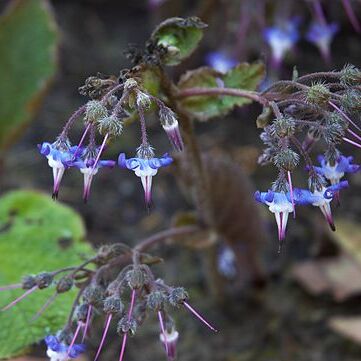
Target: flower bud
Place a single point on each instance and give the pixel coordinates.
(113, 304)
(127, 326)
(155, 300)
(318, 94)
(95, 110)
(110, 125)
(93, 295)
(284, 126)
(64, 284)
(177, 296)
(350, 75)
(143, 100)
(81, 312)
(44, 280)
(28, 282)
(136, 278)
(170, 125)
(286, 159)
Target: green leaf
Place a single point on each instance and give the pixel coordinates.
(28, 39)
(36, 235)
(179, 36)
(244, 76)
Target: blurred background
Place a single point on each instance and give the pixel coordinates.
(309, 306)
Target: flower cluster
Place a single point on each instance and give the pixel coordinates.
(313, 114)
(125, 297)
(107, 116)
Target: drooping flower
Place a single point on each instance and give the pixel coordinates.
(220, 61)
(59, 154)
(320, 198)
(281, 39)
(169, 341)
(321, 35)
(59, 351)
(171, 126)
(89, 167)
(145, 168)
(335, 172)
(280, 204)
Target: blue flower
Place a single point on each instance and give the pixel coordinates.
(85, 164)
(280, 204)
(59, 351)
(281, 39)
(320, 198)
(220, 61)
(322, 35)
(337, 171)
(145, 168)
(59, 154)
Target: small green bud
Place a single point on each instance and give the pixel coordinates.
(350, 75)
(110, 125)
(351, 101)
(318, 94)
(286, 159)
(95, 110)
(284, 126)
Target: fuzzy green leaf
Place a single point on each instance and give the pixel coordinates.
(179, 36)
(36, 235)
(244, 76)
(28, 39)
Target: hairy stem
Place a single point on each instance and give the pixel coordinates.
(190, 92)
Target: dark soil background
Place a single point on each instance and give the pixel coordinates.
(276, 322)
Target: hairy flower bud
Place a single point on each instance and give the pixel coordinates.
(110, 125)
(177, 296)
(95, 110)
(64, 284)
(28, 282)
(143, 100)
(351, 101)
(286, 159)
(127, 326)
(136, 278)
(284, 126)
(156, 300)
(318, 94)
(350, 75)
(81, 312)
(93, 295)
(44, 280)
(334, 129)
(113, 304)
